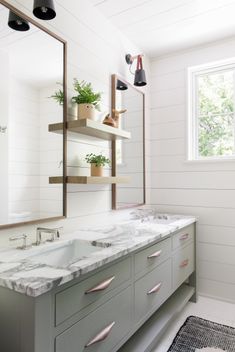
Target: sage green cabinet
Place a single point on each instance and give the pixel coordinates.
(150, 257)
(101, 310)
(77, 297)
(111, 322)
(152, 289)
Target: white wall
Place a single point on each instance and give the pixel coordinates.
(24, 157)
(51, 151)
(96, 49)
(4, 112)
(132, 149)
(204, 189)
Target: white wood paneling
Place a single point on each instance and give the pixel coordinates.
(162, 27)
(205, 189)
(96, 49)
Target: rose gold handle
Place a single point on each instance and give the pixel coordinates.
(101, 336)
(102, 286)
(155, 289)
(184, 263)
(155, 255)
(184, 237)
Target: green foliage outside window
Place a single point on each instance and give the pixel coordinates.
(215, 111)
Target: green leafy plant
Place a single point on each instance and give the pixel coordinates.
(58, 96)
(98, 160)
(85, 94)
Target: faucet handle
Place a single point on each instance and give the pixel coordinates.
(55, 233)
(23, 237)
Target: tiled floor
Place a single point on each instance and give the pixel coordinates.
(217, 311)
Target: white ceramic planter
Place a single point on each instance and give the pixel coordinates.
(86, 111)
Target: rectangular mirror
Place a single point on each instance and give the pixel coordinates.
(129, 155)
(32, 69)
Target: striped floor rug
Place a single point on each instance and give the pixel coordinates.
(197, 334)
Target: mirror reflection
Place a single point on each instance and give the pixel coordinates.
(129, 103)
(31, 71)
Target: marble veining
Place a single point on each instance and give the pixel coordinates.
(21, 272)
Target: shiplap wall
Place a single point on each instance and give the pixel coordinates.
(204, 189)
(51, 151)
(4, 73)
(96, 49)
(24, 157)
(132, 149)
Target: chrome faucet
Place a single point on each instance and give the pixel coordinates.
(54, 232)
(21, 237)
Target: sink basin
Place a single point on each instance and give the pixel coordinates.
(65, 254)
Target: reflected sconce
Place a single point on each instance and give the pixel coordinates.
(121, 85)
(17, 23)
(140, 77)
(44, 9)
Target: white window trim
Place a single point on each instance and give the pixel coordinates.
(192, 130)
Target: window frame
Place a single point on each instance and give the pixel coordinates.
(192, 98)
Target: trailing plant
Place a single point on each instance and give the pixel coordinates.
(58, 95)
(85, 94)
(98, 160)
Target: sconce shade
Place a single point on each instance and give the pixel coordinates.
(17, 23)
(121, 85)
(44, 9)
(140, 78)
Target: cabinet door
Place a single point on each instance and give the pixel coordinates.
(183, 265)
(152, 290)
(183, 237)
(101, 330)
(149, 258)
(79, 296)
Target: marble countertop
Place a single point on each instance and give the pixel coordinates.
(25, 271)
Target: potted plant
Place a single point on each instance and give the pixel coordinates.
(86, 99)
(58, 96)
(97, 163)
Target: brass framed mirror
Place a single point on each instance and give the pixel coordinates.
(128, 156)
(33, 70)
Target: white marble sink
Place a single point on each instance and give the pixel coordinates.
(66, 254)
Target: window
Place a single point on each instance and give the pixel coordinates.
(211, 111)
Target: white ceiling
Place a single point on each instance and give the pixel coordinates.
(160, 27)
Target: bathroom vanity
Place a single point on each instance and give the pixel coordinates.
(126, 282)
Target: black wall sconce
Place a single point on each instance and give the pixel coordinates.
(17, 23)
(42, 9)
(121, 85)
(140, 77)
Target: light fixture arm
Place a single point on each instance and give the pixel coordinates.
(130, 59)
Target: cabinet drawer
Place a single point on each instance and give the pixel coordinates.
(102, 329)
(152, 290)
(79, 296)
(183, 265)
(152, 256)
(182, 237)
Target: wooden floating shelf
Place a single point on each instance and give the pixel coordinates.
(85, 180)
(91, 128)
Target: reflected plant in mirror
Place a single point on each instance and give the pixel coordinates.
(31, 64)
(129, 153)
(58, 96)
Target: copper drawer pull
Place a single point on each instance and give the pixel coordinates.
(184, 263)
(155, 255)
(102, 286)
(155, 289)
(184, 237)
(101, 336)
